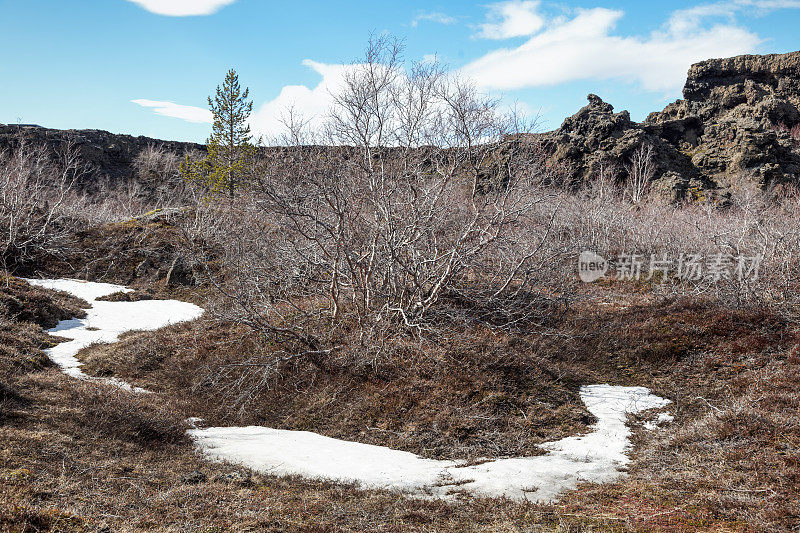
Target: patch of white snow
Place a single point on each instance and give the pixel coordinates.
(106, 321)
(595, 457)
(662, 418)
(194, 422)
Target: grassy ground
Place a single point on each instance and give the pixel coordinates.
(480, 395)
(78, 457)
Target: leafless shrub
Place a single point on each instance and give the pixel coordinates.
(155, 186)
(155, 165)
(641, 170)
(157, 172)
(755, 226)
(35, 189)
(604, 183)
(115, 202)
(426, 204)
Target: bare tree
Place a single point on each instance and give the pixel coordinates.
(34, 188)
(641, 170)
(427, 204)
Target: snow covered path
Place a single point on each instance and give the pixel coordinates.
(595, 457)
(106, 321)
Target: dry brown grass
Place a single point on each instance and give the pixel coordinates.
(136, 253)
(479, 395)
(24, 311)
(64, 471)
(22, 302)
(729, 462)
(76, 456)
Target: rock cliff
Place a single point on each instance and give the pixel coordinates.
(739, 119)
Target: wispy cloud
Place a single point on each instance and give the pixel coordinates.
(692, 17)
(182, 8)
(585, 46)
(433, 16)
(183, 112)
(515, 18)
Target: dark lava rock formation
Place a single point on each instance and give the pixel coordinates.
(739, 119)
(108, 155)
(596, 140)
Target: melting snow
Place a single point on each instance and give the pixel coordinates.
(662, 418)
(595, 457)
(106, 321)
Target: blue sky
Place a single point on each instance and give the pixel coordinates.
(145, 67)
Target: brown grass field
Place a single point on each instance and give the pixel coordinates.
(79, 457)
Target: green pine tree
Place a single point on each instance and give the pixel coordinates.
(230, 144)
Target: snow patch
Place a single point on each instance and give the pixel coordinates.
(595, 457)
(194, 422)
(662, 418)
(106, 321)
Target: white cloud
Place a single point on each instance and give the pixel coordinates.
(182, 8)
(437, 17)
(312, 105)
(183, 112)
(514, 18)
(585, 47)
(692, 17)
(582, 46)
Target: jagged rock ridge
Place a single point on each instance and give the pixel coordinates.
(739, 119)
(109, 155)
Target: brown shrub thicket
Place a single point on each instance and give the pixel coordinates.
(752, 223)
(432, 208)
(35, 189)
(421, 206)
(49, 225)
(153, 185)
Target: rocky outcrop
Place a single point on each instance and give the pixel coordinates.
(108, 155)
(596, 140)
(739, 119)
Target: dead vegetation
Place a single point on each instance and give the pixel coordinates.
(482, 395)
(35, 191)
(722, 352)
(731, 455)
(81, 457)
(430, 216)
(421, 297)
(22, 302)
